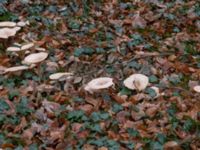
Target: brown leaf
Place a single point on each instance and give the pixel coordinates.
(4, 60)
(118, 98)
(86, 108)
(76, 127)
(7, 145)
(152, 111)
(92, 101)
(22, 124)
(88, 147)
(103, 148)
(171, 145)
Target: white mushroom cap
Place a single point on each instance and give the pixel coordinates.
(27, 46)
(7, 32)
(197, 88)
(99, 83)
(21, 23)
(17, 68)
(13, 49)
(59, 75)
(40, 49)
(136, 81)
(7, 24)
(35, 58)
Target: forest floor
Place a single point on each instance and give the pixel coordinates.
(101, 38)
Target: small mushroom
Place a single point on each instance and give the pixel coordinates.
(16, 68)
(35, 58)
(7, 24)
(63, 79)
(136, 82)
(40, 49)
(21, 51)
(98, 84)
(13, 49)
(197, 88)
(27, 46)
(21, 23)
(57, 76)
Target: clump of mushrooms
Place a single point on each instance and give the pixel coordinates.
(99, 84)
(19, 49)
(136, 82)
(9, 29)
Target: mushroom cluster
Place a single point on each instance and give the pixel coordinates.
(20, 47)
(137, 82)
(9, 29)
(29, 61)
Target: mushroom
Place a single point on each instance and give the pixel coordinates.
(57, 76)
(36, 58)
(136, 82)
(27, 46)
(8, 32)
(62, 76)
(21, 51)
(40, 49)
(99, 84)
(7, 24)
(197, 88)
(21, 23)
(13, 49)
(16, 70)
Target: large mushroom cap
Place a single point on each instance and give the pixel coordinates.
(7, 32)
(57, 76)
(16, 68)
(136, 81)
(35, 58)
(99, 83)
(7, 24)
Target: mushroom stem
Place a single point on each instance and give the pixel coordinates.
(40, 72)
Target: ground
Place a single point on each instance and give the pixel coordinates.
(102, 38)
